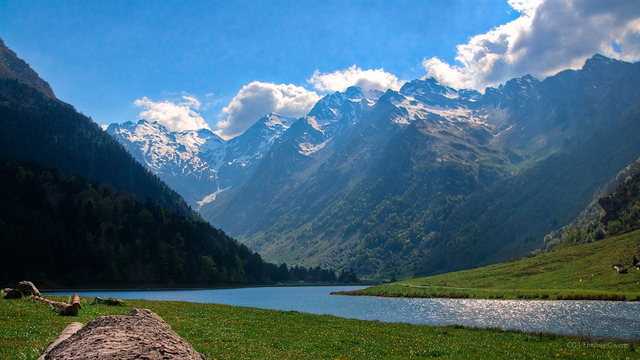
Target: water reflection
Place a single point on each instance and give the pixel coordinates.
(596, 319)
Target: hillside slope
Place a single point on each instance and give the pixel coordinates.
(603, 269)
(433, 179)
(77, 209)
(578, 272)
(62, 231)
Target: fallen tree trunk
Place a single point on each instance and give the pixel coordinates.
(65, 309)
(141, 334)
(75, 301)
(64, 335)
(12, 293)
(27, 288)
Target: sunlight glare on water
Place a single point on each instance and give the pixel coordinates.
(595, 319)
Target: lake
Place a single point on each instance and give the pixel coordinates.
(603, 320)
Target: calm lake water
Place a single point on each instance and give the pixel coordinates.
(604, 320)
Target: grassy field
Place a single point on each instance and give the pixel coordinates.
(226, 332)
(579, 272)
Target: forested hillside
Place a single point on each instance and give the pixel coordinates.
(64, 231)
(622, 208)
(36, 127)
(513, 216)
(77, 210)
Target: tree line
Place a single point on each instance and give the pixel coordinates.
(64, 231)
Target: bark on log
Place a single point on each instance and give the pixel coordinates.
(12, 293)
(27, 288)
(75, 301)
(141, 334)
(64, 335)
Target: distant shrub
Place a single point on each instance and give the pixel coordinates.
(603, 297)
(613, 226)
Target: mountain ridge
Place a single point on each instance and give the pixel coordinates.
(76, 209)
(334, 190)
(12, 67)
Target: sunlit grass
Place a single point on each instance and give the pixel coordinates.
(226, 332)
(583, 271)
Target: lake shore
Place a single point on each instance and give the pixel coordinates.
(182, 288)
(230, 332)
(605, 320)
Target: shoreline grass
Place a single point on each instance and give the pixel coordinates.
(583, 272)
(228, 332)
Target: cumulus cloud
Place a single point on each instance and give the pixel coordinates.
(174, 115)
(547, 37)
(258, 99)
(377, 79)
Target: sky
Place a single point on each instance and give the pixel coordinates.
(222, 65)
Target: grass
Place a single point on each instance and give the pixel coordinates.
(578, 272)
(226, 332)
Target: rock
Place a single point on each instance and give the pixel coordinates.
(108, 301)
(141, 334)
(27, 288)
(12, 293)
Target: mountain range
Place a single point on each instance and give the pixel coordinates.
(77, 210)
(417, 181)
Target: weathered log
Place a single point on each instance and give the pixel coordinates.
(141, 334)
(75, 301)
(64, 335)
(27, 288)
(64, 308)
(12, 293)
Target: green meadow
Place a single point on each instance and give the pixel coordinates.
(226, 332)
(577, 272)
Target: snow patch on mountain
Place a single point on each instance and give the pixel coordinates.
(413, 109)
(309, 148)
(211, 197)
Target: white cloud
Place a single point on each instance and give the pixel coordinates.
(175, 116)
(377, 79)
(258, 99)
(549, 36)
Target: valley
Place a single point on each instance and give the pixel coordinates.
(324, 179)
(424, 180)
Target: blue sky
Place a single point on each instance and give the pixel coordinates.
(222, 64)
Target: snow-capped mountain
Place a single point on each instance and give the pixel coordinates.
(375, 180)
(188, 160)
(379, 183)
(331, 116)
(198, 163)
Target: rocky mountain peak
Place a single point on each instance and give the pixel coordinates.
(432, 93)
